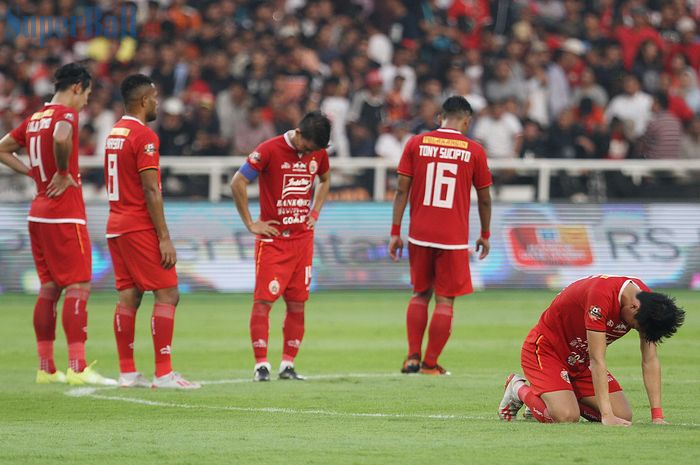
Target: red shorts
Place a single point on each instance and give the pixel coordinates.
(283, 267)
(136, 261)
(446, 271)
(62, 252)
(546, 372)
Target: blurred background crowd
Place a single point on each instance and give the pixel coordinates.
(575, 79)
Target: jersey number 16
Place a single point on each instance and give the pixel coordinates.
(435, 179)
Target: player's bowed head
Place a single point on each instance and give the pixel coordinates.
(656, 316)
(456, 113)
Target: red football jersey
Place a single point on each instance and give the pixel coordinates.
(444, 165)
(36, 133)
(286, 183)
(130, 148)
(591, 303)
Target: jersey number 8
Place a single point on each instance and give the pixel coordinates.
(112, 177)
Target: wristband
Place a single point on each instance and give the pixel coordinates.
(62, 172)
(314, 214)
(485, 234)
(395, 229)
(657, 413)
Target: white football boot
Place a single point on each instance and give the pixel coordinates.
(174, 380)
(133, 380)
(510, 404)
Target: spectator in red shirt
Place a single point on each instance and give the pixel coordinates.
(632, 37)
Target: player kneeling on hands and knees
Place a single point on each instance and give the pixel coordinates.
(57, 224)
(287, 166)
(563, 356)
(436, 173)
(139, 242)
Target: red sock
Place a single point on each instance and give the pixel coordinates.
(416, 321)
(124, 328)
(293, 330)
(438, 333)
(45, 327)
(75, 326)
(162, 325)
(589, 413)
(260, 330)
(536, 404)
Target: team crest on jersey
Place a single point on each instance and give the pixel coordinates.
(285, 166)
(594, 313)
(565, 376)
(274, 287)
(254, 158)
(149, 149)
(69, 116)
(313, 167)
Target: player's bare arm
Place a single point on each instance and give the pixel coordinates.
(154, 203)
(651, 372)
(484, 201)
(400, 202)
(62, 148)
(324, 186)
(599, 372)
(8, 145)
(239, 186)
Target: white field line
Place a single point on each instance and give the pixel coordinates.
(93, 392)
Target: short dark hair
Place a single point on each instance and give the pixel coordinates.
(316, 127)
(662, 100)
(71, 74)
(658, 316)
(131, 84)
(457, 106)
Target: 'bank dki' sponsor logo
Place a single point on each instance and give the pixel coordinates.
(541, 246)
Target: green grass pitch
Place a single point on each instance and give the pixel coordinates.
(355, 409)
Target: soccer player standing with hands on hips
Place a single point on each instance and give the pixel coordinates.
(564, 354)
(287, 166)
(436, 172)
(139, 242)
(58, 225)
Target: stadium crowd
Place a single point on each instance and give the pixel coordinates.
(546, 78)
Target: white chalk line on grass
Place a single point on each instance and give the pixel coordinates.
(93, 392)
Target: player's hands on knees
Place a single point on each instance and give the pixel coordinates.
(264, 228)
(59, 183)
(395, 248)
(168, 256)
(482, 245)
(612, 420)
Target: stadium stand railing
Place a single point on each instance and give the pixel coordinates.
(217, 168)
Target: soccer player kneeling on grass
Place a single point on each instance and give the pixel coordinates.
(139, 241)
(287, 166)
(563, 356)
(437, 171)
(57, 224)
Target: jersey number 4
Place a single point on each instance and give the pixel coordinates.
(112, 177)
(435, 180)
(35, 156)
